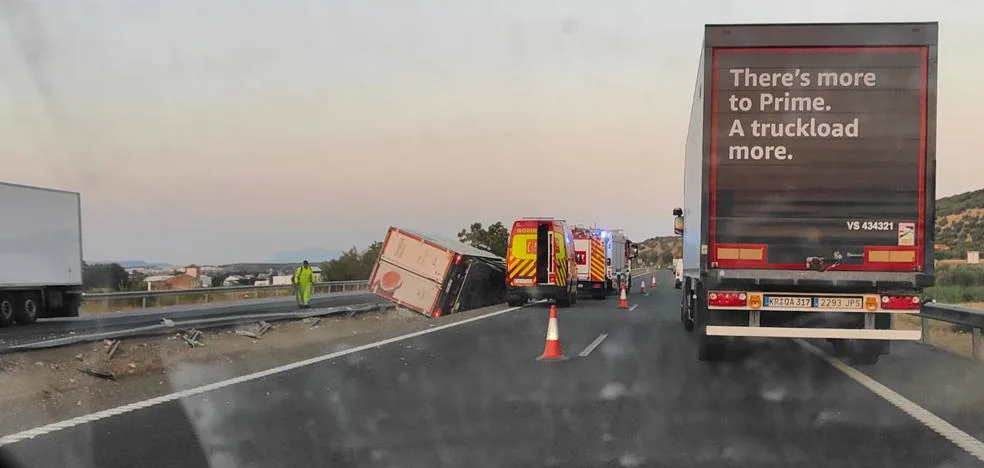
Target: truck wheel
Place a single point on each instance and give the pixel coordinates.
(514, 301)
(564, 299)
(7, 308)
(865, 359)
(686, 307)
(27, 313)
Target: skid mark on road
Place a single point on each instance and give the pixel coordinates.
(937, 424)
(47, 429)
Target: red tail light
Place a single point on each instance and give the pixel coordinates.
(457, 259)
(727, 299)
(900, 302)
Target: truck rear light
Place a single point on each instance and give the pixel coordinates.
(871, 303)
(727, 299)
(900, 302)
(755, 301)
(457, 259)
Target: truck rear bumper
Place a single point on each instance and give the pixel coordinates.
(786, 332)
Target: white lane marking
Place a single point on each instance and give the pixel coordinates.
(49, 428)
(633, 307)
(594, 344)
(937, 424)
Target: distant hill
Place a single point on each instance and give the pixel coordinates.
(256, 268)
(314, 255)
(135, 263)
(960, 224)
(660, 250)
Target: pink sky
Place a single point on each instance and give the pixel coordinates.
(197, 135)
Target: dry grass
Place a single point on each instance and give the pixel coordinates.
(941, 334)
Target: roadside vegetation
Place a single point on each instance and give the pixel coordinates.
(957, 284)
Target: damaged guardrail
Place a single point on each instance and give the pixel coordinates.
(957, 315)
(187, 327)
(142, 299)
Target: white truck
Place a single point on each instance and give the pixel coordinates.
(678, 271)
(435, 276)
(40, 253)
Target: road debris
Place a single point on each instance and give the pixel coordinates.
(247, 333)
(192, 337)
(97, 374)
(312, 322)
(113, 347)
(264, 327)
(167, 322)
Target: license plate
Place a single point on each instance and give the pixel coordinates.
(788, 301)
(838, 302)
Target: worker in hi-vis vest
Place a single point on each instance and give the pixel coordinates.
(303, 283)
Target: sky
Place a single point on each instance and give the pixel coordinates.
(217, 131)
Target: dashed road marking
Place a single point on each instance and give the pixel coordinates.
(937, 424)
(47, 429)
(594, 344)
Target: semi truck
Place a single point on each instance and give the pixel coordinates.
(40, 253)
(809, 183)
(540, 261)
(435, 276)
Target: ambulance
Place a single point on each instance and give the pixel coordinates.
(540, 262)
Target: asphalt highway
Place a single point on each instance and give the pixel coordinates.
(473, 394)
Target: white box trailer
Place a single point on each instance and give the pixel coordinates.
(435, 276)
(40, 253)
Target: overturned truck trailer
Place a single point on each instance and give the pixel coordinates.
(436, 276)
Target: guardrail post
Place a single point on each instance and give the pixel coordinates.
(926, 338)
(975, 344)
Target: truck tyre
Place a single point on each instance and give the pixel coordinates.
(514, 301)
(29, 306)
(7, 308)
(686, 308)
(864, 353)
(564, 299)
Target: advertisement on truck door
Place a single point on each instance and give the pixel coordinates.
(818, 158)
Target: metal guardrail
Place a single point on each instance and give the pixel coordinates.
(142, 299)
(139, 299)
(958, 315)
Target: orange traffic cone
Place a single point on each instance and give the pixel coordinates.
(623, 302)
(551, 351)
(642, 287)
(654, 280)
